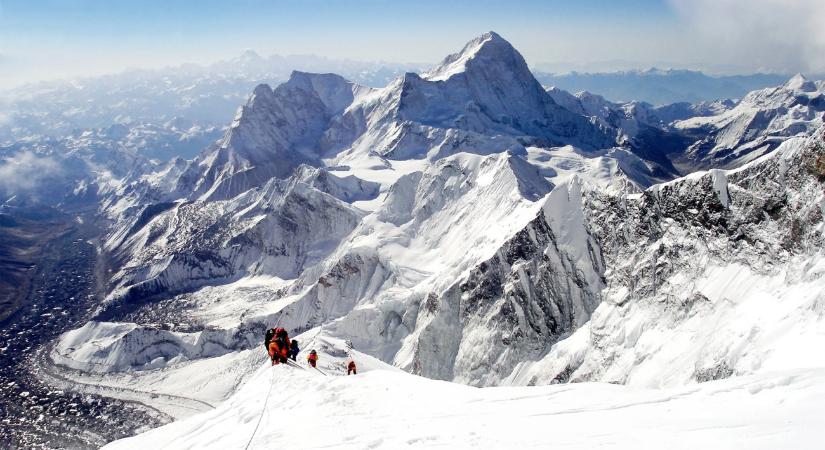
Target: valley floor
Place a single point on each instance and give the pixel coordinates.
(384, 408)
(55, 294)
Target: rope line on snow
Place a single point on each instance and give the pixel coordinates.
(261, 416)
(272, 383)
(266, 400)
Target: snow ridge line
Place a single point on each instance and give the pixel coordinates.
(261, 416)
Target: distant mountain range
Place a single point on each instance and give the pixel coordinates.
(207, 95)
(660, 87)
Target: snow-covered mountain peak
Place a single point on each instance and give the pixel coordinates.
(261, 90)
(487, 49)
(250, 55)
(334, 91)
(798, 91)
(272, 134)
(486, 89)
(799, 83)
(758, 124)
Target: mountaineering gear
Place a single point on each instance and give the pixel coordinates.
(274, 352)
(312, 358)
(282, 338)
(270, 333)
(293, 350)
(278, 346)
(351, 368)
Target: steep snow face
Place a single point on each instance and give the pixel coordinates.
(495, 83)
(539, 285)
(625, 119)
(432, 228)
(465, 269)
(641, 128)
(481, 100)
(757, 125)
(717, 274)
(277, 229)
(380, 408)
(490, 73)
(271, 135)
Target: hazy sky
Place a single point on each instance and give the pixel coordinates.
(56, 38)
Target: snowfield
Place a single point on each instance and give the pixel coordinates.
(384, 408)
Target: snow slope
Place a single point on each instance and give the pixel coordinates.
(386, 409)
(714, 275)
(757, 125)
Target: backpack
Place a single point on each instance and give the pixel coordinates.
(282, 338)
(270, 333)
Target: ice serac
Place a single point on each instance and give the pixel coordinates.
(275, 132)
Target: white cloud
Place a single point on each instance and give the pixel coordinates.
(776, 35)
(25, 171)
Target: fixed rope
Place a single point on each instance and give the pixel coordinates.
(272, 383)
(266, 400)
(261, 416)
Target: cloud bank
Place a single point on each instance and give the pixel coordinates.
(771, 35)
(25, 171)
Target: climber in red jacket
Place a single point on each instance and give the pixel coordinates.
(279, 346)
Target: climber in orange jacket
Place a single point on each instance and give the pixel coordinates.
(351, 368)
(312, 358)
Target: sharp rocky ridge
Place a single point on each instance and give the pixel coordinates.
(468, 224)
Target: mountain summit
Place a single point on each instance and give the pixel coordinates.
(488, 48)
(483, 92)
(799, 83)
(483, 99)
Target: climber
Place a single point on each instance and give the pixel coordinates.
(279, 346)
(293, 350)
(312, 359)
(351, 368)
(270, 333)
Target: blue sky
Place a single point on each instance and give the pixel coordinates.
(46, 38)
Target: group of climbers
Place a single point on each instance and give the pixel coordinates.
(281, 348)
